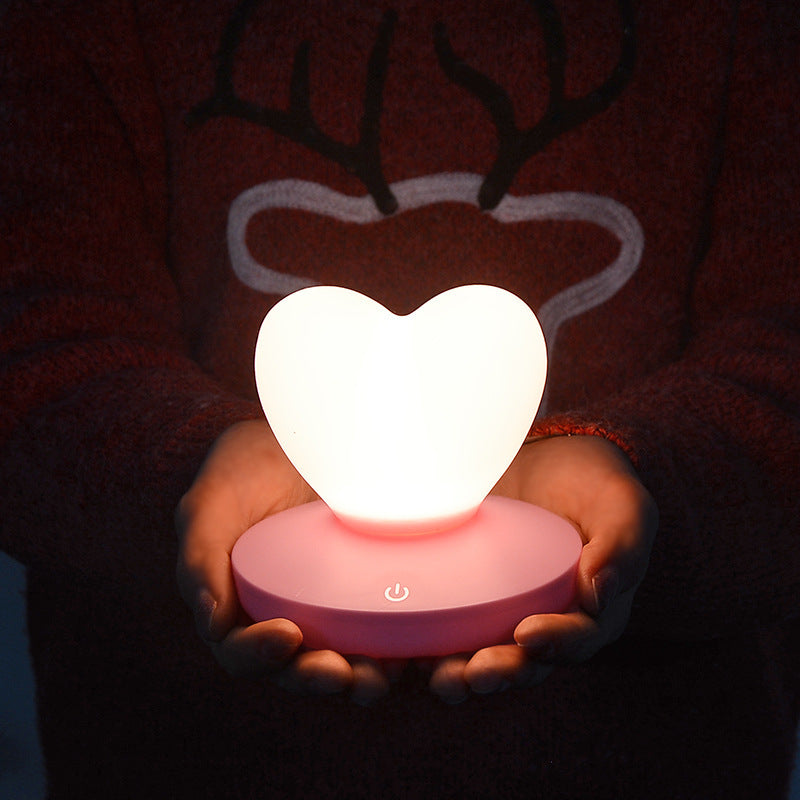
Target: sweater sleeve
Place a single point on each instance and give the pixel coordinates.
(716, 434)
(105, 417)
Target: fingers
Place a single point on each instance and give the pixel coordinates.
(370, 683)
(251, 651)
(448, 681)
(325, 672)
(320, 672)
(493, 669)
(543, 642)
(271, 649)
(574, 637)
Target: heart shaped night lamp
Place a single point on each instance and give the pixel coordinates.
(402, 425)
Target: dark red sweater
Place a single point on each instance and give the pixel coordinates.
(631, 173)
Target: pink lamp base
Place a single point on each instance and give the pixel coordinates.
(408, 596)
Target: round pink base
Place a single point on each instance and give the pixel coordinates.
(407, 596)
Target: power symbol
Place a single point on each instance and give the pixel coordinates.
(396, 593)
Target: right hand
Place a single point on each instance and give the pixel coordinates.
(245, 478)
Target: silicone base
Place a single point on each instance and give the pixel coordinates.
(407, 596)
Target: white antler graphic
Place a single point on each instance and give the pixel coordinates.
(515, 147)
(314, 198)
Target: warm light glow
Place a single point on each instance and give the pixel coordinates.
(401, 423)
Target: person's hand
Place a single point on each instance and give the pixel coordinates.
(590, 482)
(245, 478)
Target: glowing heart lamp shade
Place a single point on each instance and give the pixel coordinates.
(402, 425)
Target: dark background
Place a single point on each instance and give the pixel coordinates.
(21, 775)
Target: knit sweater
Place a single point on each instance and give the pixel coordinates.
(169, 171)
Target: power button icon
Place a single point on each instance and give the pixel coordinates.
(396, 593)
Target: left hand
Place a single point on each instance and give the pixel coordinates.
(590, 482)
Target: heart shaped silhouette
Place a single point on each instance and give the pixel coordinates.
(401, 423)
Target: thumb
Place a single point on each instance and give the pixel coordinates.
(204, 576)
(615, 557)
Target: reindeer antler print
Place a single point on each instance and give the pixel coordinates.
(298, 124)
(516, 146)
